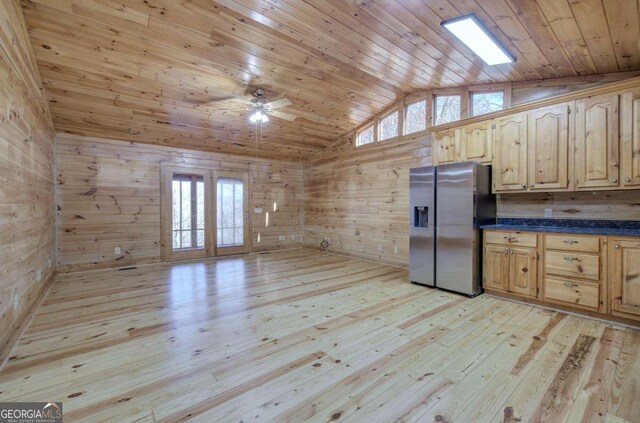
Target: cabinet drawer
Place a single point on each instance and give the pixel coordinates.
(586, 244)
(577, 293)
(521, 239)
(584, 266)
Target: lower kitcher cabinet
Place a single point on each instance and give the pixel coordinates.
(511, 269)
(624, 265)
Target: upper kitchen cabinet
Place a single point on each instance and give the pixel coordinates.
(597, 143)
(549, 148)
(630, 139)
(476, 142)
(446, 147)
(510, 153)
(584, 141)
(468, 143)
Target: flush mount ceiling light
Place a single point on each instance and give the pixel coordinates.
(474, 35)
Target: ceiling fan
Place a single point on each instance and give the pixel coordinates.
(261, 109)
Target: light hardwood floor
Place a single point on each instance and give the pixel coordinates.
(302, 335)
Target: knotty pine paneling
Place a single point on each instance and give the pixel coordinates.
(359, 198)
(27, 217)
(608, 205)
(108, 195)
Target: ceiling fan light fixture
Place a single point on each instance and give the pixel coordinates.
(259, 116)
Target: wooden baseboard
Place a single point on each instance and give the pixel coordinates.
(565, 309)
(24, 320)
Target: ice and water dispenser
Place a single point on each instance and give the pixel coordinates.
(421, 217)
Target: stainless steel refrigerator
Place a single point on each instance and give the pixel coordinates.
(448, 204)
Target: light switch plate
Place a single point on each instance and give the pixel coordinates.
(257, 210)
(548, 212)
(117, 251)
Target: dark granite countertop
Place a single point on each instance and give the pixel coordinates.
(592, 227)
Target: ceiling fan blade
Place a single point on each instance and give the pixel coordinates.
(283, 102)
(282, 115)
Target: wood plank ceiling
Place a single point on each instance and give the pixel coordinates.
(153, 70)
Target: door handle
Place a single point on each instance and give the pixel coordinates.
(571, 258)
(570, 285)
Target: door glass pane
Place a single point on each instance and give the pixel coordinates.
(187, 217)
(230, 211)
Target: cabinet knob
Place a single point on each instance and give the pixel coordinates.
(618, 246)
(511, 251)
(627, 179)
(506, 251)
(614, 180)
(524, 186)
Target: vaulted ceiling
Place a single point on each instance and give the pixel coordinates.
(167, 71)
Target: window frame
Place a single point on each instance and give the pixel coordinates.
(486, 91)
(247, 234)
(434, 108)
(371, 124)
(193, 180)
(406, 105)
(167, 253)
(382, 117)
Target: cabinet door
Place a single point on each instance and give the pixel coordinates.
(549, 148)
(597, 144)
(496, 267)
(447, 146)
(630, 139)
(476, 142)
(510, 153)
(625, 277)
(523, 270)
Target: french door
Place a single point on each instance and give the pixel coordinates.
(232, 200)
(203, 213)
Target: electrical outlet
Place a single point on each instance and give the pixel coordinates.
(117, 251)
(39, 275)
(257, 210)
(379, 248)
(395, 249)
(293, 236)
(49, 263)
(280, 237)
(548, 212)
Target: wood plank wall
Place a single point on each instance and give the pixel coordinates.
(27, 216)
(359, 198)
(108, 195)
(606, 205)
